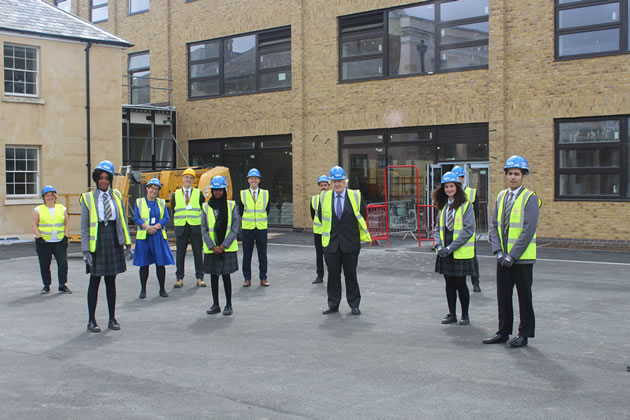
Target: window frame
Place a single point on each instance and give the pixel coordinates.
(622, 25)
(57, 2)
(623, 145)
(37, 71)
(221, 62)
(100, 6)
(343, 22)
(130, 75)
(26, 171)
(138, 12)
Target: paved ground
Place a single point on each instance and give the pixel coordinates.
(278, 357)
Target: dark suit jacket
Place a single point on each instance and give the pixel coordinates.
(344, 233)
(179, 230)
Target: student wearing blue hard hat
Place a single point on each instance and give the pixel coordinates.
(454, 235)
(323, 183)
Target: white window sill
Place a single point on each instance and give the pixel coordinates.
(23, 100)
(22, 201)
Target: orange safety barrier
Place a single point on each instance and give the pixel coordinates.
(377, 223)
(428, 216)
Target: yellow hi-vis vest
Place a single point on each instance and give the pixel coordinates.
(50, 226)
(145, 215)
(317, 224)
(467, 250)
(88, 199)
(515, 224)
(254, 212)
(209, 211)
(181, 215)
(327, 215)
(471, 194)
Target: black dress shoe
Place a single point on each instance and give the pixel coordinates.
(163, 293)
(227, 310)
(113, 325)
(497, 338)
(143, 294)
(331, 310)
(465, 320)
(93, 327)
(45, 290)
(65, 289)
(476, 288)
(518, 341)
(449, 319)
(214, 309)
(318, 280)
(355, 311)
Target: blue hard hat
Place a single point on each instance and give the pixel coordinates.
(47, 189)
(218, 182)
(458, 170)
(323, 178)
(450, 177)
(106, 166)
(154, 181)
(337, 173)
(253, 172)
(517, 161)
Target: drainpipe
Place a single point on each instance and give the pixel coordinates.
(87, 110)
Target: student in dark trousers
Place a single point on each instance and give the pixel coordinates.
(254, 211)
(471, 195)
(323, 183)
(454, 235)
(513, 236)
(343, 214)
(186, 204)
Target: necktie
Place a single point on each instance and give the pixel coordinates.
(338, 207)
(255, 195)
(107, 208)
(449, 218)
(508, 209)
(186, 196)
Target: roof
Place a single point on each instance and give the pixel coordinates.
(37, 17)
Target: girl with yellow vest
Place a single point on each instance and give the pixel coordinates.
(151, 217)
(454, 236)
(105, 241)
(219, 227)
(50, 226)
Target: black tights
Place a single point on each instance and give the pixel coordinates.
(455, 284)
(227, 285)
(92, 296)
(144, 276)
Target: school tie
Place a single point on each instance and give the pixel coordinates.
(338, 207)
(186, 196)
(449, 219)
(107, 208)
(509, 202)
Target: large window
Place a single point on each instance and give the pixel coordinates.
(592, 158)
(271, 155)
(138, 6)
(436, 36)
(587, 28)
(242, 64)
(99, 10)
(138, 70)
(21, 70)
(64, 5)
(22, 171)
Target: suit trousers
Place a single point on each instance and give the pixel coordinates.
(319, 255)
(520, 275)
(181, 243)
(251, 237)
(348, 261)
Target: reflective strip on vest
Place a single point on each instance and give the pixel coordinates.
(145, 215)
(181, 215)
(466, 251)
(355, 202)
(211, 221)
(515, 226)
(254, 212)
(50, 226)
(471, 194)
(317, 224)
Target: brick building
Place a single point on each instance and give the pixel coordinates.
(294, 87)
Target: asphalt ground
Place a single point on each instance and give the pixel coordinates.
(278, 357)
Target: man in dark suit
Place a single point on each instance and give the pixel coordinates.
(343, 214)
